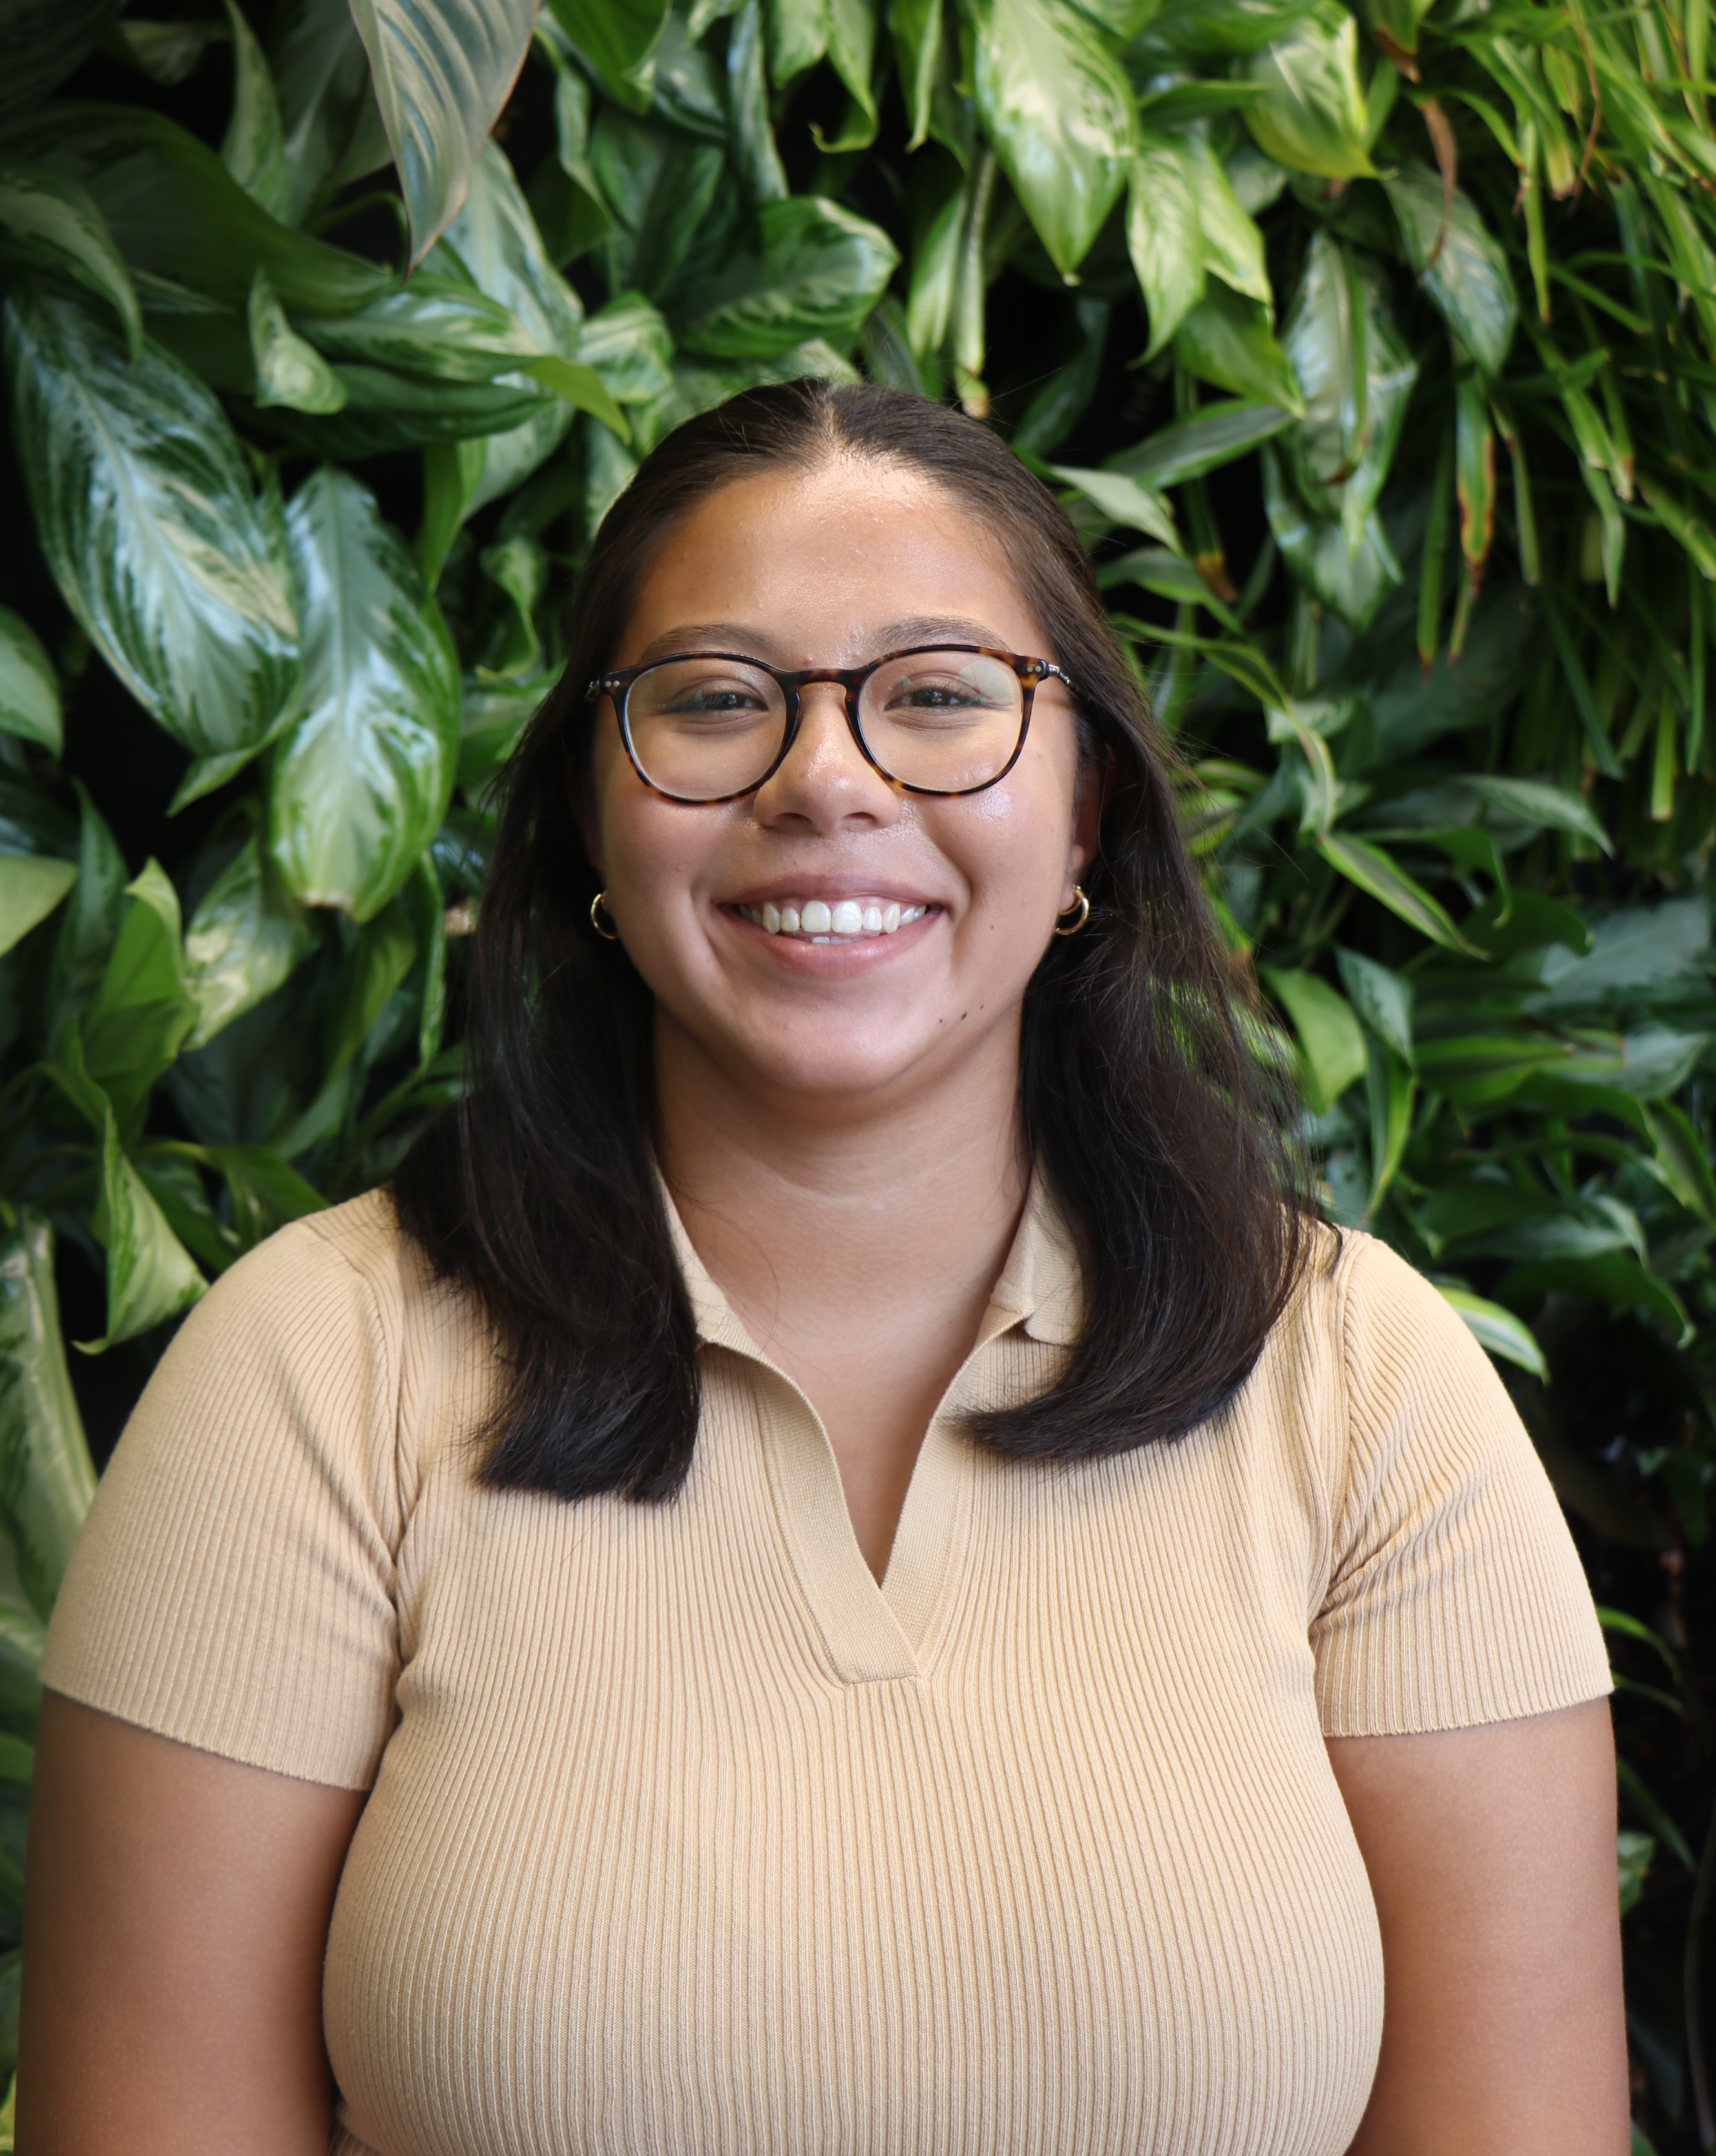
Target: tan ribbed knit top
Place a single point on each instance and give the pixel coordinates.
(688, 1838)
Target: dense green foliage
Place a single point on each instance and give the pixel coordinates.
(1376, 352)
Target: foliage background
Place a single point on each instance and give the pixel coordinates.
(1375, 351)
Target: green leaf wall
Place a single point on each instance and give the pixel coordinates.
(1374, 352)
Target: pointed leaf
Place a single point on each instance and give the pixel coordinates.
(1311, 116)
(1331, 1048)
(1058, 111)
(1463, 269)
(321, 74)
(49, 223)
(1536, 802)
(1498, 1331)
(1162, 237)
(90, 926)
(143, 1010)
(245, 941)
(916, 27)
(31, 886)
(150, 1275)
(29, 688)
(144, 511)
(1356, 376)
(442, 71)
(1217, 435)
(631, 347)
(751, 126)
(1233, 246)
(1226, 339)
(253, 148)
(289, 371)
(361, 785)
(617, 40)
(1125, 500)
(1382, 997)
(46, 1477)
(1375, 871)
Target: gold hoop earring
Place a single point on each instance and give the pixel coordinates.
(1080, 908)
(608, 935)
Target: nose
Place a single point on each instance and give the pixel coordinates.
(825, 782)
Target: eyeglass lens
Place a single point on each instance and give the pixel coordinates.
(705, 728)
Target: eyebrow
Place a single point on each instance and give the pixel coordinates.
(741, 639)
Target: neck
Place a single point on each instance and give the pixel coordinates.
(872, 1204)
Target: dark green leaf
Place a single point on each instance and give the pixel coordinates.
(1058, 111)
(1219, 434)
(1463, 268)
(46, 1479)
(617, 40)
(245, 939)
(819, 271)
(1382, 997)
(253, 149)
(143, 1009)
(1226, 339)
(1217, 26)
(144, 511)
(320, 75)
(29, 688)
(1683, 1158)
(916, 27)
(630, 347)
(175, 212)
(496, 714)
(359, 787)
(49, 223)
(1356, 377)
(90, 926)
(382, 955)
(659, 186)
(1354, 575)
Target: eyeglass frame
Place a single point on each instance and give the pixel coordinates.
(1031, 673)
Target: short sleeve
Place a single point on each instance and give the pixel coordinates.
(233, 1587)
(1456, 1596)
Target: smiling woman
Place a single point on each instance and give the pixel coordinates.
(839, 1566)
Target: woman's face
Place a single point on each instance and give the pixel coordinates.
(834, 567)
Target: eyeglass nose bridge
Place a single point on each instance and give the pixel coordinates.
(850, 681)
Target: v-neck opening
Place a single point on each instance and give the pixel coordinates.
(873, 1630)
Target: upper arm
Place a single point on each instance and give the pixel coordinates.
(176, 1916)
(1490, 1852)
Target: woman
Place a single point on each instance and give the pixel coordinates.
(834, 1570)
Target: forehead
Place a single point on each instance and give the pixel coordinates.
(814, 563)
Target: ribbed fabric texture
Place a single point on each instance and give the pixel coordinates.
(686, 1839)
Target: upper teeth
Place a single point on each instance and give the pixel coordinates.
(823, 923)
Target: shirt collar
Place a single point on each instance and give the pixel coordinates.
(1040, 1286)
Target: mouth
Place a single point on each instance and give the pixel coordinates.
(832, 921)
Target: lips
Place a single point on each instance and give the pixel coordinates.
(832, 921)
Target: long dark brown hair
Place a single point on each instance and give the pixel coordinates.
(1138, 1097)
